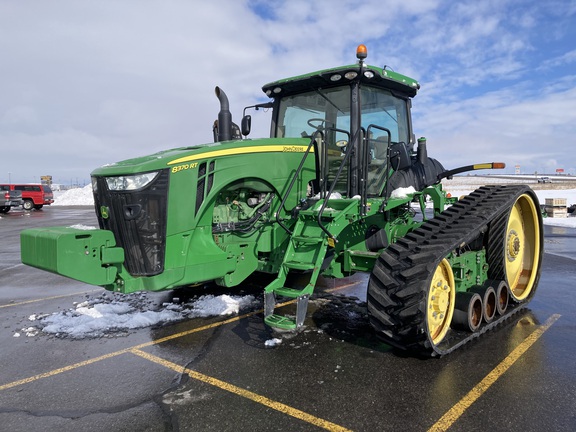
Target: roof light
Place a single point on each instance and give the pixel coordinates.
(351, 75)
(361, 52)
(336, 77)
(369, 74)
(277, 90)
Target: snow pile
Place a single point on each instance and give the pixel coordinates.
(403, 192)
(116, 315)
(78, 196)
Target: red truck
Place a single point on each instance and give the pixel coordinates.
(33, 195)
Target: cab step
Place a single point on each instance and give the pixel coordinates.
(280, 322)
(299, 265)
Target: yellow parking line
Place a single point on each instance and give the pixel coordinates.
(278, 406)
(61, 370)
(448, 419)
(117, 353)
(47, 298)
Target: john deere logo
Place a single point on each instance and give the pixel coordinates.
(104, 212)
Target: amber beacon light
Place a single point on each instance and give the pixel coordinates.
(361, 52)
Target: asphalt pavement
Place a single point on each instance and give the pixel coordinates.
(217, 374)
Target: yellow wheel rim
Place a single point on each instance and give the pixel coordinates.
(441, 298)
(522, 247)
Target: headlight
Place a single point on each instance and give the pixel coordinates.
(131, 182)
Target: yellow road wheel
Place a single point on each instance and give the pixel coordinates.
(440, 304)
(522, 247)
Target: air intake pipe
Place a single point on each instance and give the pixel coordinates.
(422, 153)
(224, 127)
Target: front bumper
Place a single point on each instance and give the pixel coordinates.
(90, 256)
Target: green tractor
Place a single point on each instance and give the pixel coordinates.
(341, 186)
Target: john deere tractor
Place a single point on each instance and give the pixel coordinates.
(341, 186)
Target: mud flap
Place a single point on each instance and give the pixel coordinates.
(90, 256)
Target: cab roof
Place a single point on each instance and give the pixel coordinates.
(371, 75)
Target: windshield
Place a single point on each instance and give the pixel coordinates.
(300, 115)
(329, 111)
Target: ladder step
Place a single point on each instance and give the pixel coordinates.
(290, 292)
(279, 321)
(298, 265)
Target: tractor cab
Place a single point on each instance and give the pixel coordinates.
(359, 116)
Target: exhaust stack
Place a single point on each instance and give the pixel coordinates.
(223, 129)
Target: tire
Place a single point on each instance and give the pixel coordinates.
(28, 205)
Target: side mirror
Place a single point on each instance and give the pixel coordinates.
(246, 124)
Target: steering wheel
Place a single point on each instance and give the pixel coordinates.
(321, 123)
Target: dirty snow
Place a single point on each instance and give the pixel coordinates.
(273, 342)
(111, 315)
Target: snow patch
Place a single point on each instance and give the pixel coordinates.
(403, 192)
(116, 315)
(273, 342)
(83, 227)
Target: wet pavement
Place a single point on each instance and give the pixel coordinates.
(217, 374)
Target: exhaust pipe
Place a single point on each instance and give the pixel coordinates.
(224, 127)
(489, 301)
(421, 152)
(467, 312)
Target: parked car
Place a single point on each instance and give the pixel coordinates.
(544, 180)
(9, 198)
(34, 196)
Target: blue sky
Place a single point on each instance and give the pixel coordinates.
(84, 84)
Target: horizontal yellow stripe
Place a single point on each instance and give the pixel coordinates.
(263, 400)
(244, 150)
(457, 410)
(61, 370)
(49, 298)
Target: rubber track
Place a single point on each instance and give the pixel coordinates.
(398, 286)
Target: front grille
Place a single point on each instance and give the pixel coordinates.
(138, 221)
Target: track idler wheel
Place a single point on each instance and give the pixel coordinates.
(468, 311)
(488, 295)
(502, 295)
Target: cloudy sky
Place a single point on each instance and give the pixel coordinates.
(86, 83)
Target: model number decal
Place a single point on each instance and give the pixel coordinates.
(184, 167)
